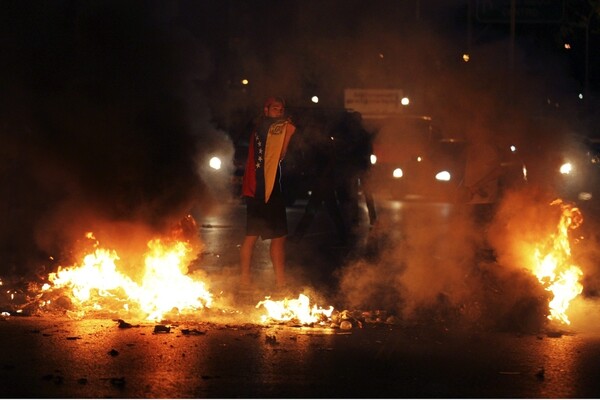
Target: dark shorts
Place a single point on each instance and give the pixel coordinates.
(266, 220)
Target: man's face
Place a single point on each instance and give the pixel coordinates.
(275, 110)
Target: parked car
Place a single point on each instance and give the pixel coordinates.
(413, 161)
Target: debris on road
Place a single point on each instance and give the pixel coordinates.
(271, 339)
(194, 331)
(162, 329)
(126, 325)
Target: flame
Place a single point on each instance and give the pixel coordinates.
(294, 309)
(97, 284)
(552, 264)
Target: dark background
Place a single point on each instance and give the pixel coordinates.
(108, 108)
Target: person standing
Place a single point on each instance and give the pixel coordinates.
(323, 192)
(261, 188)
(353, 152)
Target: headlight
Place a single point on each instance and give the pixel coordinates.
(397, 173)
(215, 163)
(566, 168)
(373, 159)
(443, 176)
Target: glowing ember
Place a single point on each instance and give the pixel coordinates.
(552, 265)
(294, 309)
(165, 287)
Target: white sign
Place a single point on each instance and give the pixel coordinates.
(373, 101)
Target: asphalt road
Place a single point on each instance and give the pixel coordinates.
(58, 358)
(228, 353)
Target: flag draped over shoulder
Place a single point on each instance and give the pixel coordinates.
(266, 162)
(275, 138)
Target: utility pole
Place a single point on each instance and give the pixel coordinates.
(586, 78)
(511, 55)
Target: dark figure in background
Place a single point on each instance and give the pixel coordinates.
(364, 148)
(323, 192)
(481, 184)
(343, 159)
(353, 153)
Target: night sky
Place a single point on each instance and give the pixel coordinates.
(107, 107)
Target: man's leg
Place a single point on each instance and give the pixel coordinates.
(246, 258)
(278, 259)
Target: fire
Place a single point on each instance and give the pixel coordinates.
(552, 264)
(165, 287)
(97, 284)
(294, 309)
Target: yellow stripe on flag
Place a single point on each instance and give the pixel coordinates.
(274, 145)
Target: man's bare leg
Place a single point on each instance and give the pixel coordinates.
(246, 258)
(278, 260)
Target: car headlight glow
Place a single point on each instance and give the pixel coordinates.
(373, 159)
(443, 176)
(566, 168)
(215, 163)
(397, 173)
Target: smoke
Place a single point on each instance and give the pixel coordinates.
(104, 120)
(453, 270)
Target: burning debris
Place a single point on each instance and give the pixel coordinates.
(553, 266)
(535, 237)
(164, 292)
(97, 284)
(299, 312)
(295, 311)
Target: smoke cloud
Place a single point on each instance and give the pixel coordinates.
(104, 121)
(430, 268)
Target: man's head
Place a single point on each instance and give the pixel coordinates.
(274, 107)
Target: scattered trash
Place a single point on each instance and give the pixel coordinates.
(540, 375)
(125, 325)
(119, 382)
(349, 319)
(162, 329)
(271, 339)
(57, 379)
(346, 325)
(194, 331)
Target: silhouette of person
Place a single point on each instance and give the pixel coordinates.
(353, 152)
(323, 192)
